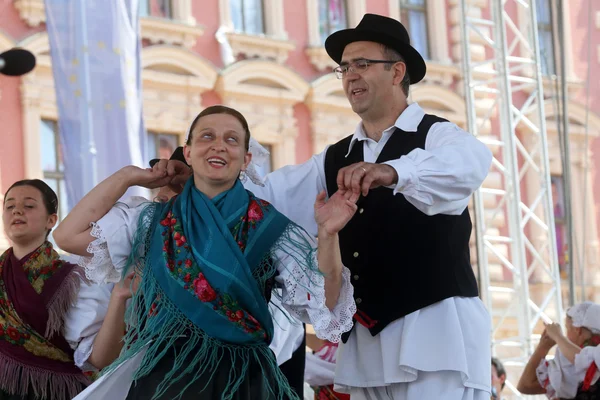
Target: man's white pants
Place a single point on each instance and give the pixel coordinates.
(440, 385)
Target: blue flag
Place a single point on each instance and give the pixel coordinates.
(95, 50)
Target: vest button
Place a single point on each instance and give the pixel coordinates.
(362, 210)
(355, 254)
(355, 277)
(358, 301)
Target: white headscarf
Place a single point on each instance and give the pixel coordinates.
(587, 315)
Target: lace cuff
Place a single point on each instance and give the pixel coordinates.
(328, 324)
(99, 267)
(83, 353)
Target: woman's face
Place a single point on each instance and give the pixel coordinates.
(217, 153)
(24, 216)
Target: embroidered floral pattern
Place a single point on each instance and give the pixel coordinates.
(13, 336)
(254, 215)
(183, 267)
(40, 266)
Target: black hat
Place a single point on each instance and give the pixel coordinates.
(177, 155)
(379, 29)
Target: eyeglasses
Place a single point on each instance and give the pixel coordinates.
(359, 66)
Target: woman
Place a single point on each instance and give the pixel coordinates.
(37, 289)
(573, 373)
(207, 261)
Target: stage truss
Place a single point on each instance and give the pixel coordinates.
(514, 222)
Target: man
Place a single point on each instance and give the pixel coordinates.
(498, 378)
(421, 332)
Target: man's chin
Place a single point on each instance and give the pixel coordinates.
(358, 108)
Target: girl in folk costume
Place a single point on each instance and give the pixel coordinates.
(573, 373)
(37, 289)
(207, 260)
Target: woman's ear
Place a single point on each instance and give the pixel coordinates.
(187, 154)
(51, 222)
(247, 159)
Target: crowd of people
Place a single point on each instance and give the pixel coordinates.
(203, 292)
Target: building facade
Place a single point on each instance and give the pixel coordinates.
(266, 58)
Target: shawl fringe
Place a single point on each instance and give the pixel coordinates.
(62, 300)
(18, 379)
(171, 324)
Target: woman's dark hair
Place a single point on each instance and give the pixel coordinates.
(499, 368)
(219, 109)
(48, 196)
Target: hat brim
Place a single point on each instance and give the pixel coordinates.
(337, 42)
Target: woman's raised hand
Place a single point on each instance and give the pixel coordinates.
(162, 174)
(333, 214)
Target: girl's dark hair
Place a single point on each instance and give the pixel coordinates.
(48, 196)
(219, 109)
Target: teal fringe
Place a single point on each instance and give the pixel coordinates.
(294, 243)
(160, 329)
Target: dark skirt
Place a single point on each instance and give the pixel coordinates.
(593, 393)
(293, 369)
(253, 387)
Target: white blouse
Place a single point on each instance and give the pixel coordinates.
(288, 334)
(561, 379)
(114, 237)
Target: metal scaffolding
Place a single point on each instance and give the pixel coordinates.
(514, 220)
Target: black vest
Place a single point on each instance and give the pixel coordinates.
(401, 259)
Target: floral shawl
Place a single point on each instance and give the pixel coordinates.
(35, 294)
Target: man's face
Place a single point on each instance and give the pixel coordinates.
(371, 89)
(497, 381)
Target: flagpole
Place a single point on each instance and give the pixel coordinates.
(89, 152)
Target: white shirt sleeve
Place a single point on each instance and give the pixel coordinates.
(304, 292)
(288, 334)
(84, 319)
(560, 378)
(293, 189)
(441, 178)
(114, 235)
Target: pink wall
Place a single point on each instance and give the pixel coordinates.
(12, 163)
(11, 132)
(296, 25)
(206, 13)
(583, 16)
(581, 36)
(378, 7)
(12, 25)
(304, 142)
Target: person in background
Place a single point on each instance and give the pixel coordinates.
(320, 370)
(498, 378)
(37, 289)
(573, 373)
